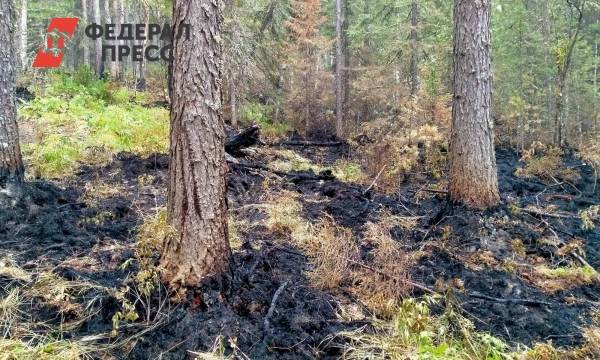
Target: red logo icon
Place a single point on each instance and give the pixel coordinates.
(59, 30)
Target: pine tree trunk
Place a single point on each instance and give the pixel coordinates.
(98, 42)
(11, 163)
(340, 67)
(84, 44)
(23, 35)
(473, 176)
(197, 203)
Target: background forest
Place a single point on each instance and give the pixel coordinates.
(343, 242)
(398, 57)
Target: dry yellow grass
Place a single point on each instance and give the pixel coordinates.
(284, 219)
(335, 254)
(382, 292)
(23, 339)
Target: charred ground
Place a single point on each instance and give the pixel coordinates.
(83, 229)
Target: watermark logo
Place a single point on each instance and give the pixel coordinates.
(59, 31)
(118, 35)
(119, 41)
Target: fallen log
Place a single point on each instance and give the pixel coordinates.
(294, 177)
(310, 143)
(246, 138)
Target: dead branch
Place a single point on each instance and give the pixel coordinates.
(575, 199)
(310, 143)
(434, 191)
(551, 215)
(266, 323)
(375, 181)
(390, 276)
(509, 300)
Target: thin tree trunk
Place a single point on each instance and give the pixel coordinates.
(548, 78)
(124, 19)
(11, 163)
(340, 68)
(111, 19)
(563, 72)
(140, 74)
(596, 116)
(197, 203)
(98, 42)
(23, 35)
(84, 44)
(473, 177)
(116, 10)
(414, 44)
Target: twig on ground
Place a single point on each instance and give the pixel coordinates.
(575, 199)
(551, 215)
(509, 300)
(266, 323)
(434, 191)
(375, 181)
(390, 276)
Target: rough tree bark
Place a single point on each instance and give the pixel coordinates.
(473, 175)
(340, 67)
(23, 35)
(11, 163)
(84, 44)
(197, 203)
(98, 42)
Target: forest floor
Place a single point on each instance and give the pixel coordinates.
(312, 261)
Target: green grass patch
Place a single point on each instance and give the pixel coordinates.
(81, 120)
(415, 333)
(585, 273)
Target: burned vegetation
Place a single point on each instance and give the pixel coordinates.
(327, 263)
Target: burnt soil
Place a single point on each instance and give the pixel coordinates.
(82, 240)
